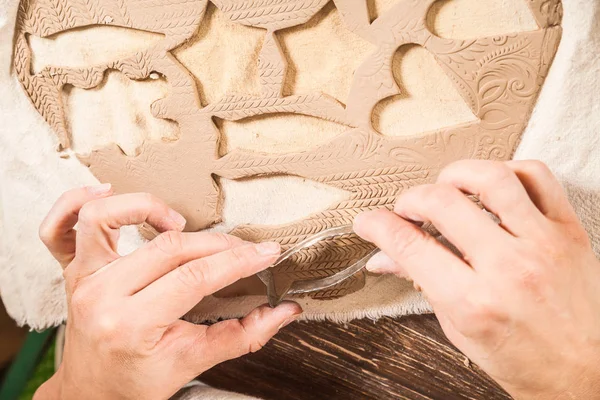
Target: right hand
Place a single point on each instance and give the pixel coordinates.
(125, 337)
(523, 300)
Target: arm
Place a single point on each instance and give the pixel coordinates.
(124, 336)
(522, 299)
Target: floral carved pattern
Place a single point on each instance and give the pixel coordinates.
(498, 77)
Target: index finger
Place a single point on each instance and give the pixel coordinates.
(544, 189)
(57, 229)
(441, 274)
(100, 221)
(174, 294)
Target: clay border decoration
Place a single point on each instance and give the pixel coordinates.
(498, 77)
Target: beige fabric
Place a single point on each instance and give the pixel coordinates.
(587, 205)
(197, 390)
(562, 132)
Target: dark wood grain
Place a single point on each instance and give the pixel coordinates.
(407, 358)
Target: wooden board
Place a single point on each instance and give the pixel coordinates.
(11, 337)
(407, 358)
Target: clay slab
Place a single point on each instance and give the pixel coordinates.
(498, 77)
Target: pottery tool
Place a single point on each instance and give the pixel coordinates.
(314, 285)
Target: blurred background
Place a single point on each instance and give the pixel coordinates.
(26, 358)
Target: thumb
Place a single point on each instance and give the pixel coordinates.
(233, 338)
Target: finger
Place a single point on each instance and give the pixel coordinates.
(544, 190)
(187, 285)
(164, 253)
(234, 338)
(56, 230)
(456, 217)
(499, 190)
(440, 274)
(100, 221)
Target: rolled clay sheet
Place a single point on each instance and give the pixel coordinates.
(322, 55)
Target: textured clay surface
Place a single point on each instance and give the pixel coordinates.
(498, 77)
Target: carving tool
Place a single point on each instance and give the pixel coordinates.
(314, 285)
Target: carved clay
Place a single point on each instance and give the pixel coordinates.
(498, 77)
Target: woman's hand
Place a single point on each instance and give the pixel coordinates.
(124, 336)
(523, 301)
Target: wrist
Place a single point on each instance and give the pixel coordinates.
(587, 386)
(51, 389)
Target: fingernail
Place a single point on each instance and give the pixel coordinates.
(288, 321)
(413, 218)
(268, 248)
(358, 223)
(99, 189)
(379, 263)
(177, 218)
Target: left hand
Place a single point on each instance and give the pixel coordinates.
(125, 337)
